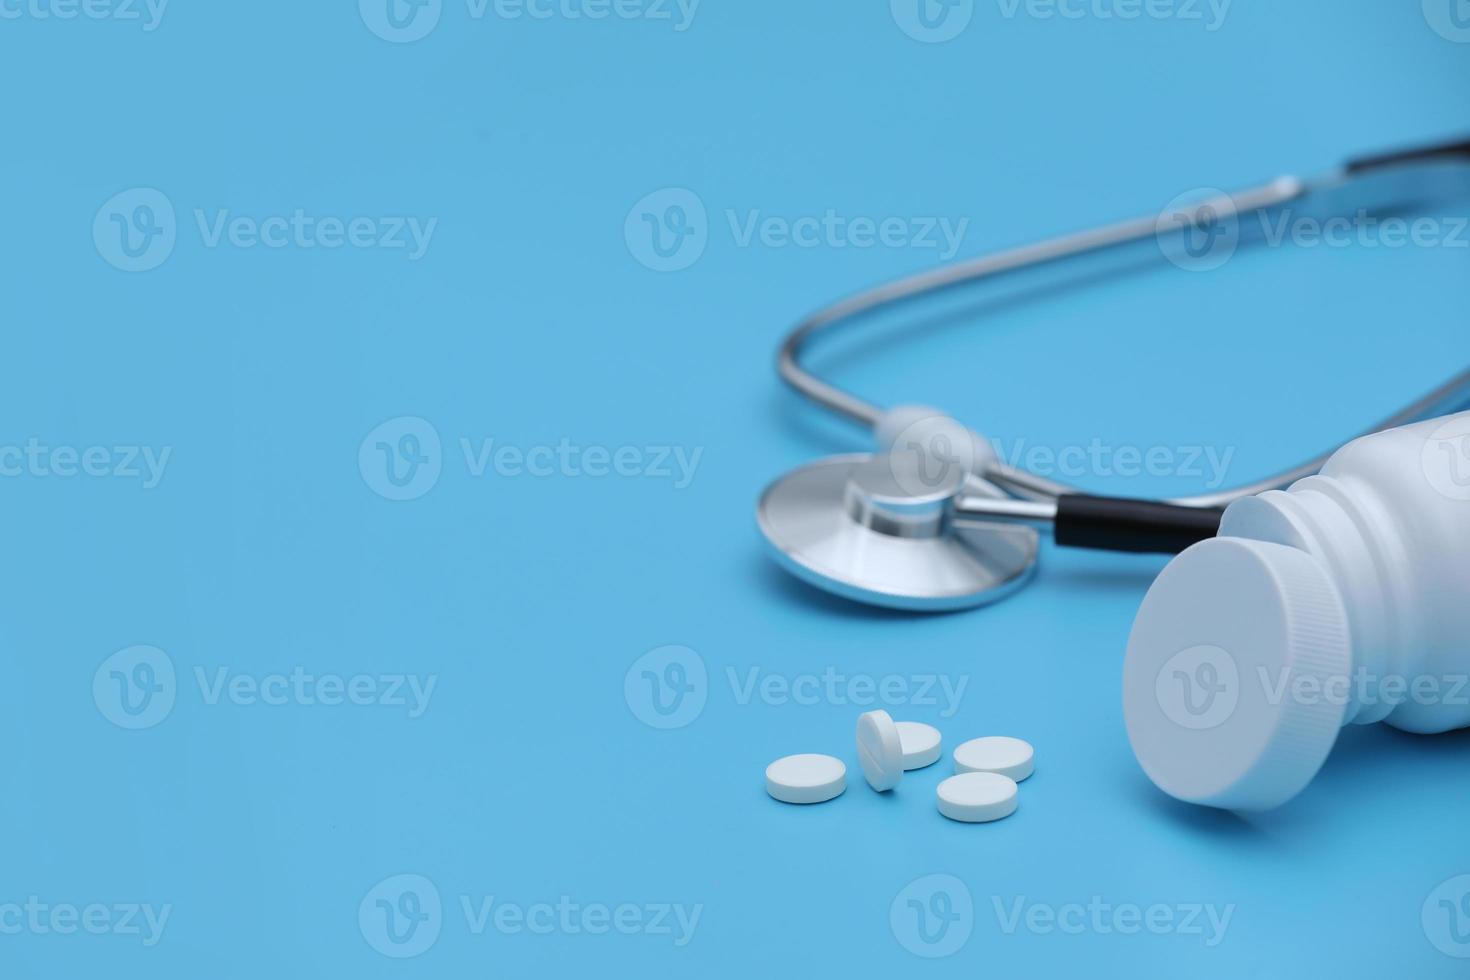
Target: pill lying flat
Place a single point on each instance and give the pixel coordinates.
(977, 797)
(806, 778)
(997, 753)
(880, 751)
(920, 744)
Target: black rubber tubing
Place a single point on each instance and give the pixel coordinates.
(1439, 151)
(1137, 526)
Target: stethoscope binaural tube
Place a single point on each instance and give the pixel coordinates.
(1390, 180)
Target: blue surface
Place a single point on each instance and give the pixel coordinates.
(263, 549)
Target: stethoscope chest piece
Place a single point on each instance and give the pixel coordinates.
(878, 529)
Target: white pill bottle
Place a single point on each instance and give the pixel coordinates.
(1343, 600)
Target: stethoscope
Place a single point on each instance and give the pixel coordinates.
(934, 520)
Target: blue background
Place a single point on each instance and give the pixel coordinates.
(529, 321)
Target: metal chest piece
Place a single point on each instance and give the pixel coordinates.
(878, 529)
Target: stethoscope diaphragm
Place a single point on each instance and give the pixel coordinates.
(868, 528)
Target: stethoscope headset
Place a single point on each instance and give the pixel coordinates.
(935, 520)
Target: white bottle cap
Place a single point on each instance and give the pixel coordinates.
(1237, 676)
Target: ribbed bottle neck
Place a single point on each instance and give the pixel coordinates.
(1346, 531)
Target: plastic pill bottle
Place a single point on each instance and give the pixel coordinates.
(1343, 600)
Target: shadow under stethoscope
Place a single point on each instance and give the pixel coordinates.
(1070, 571)
(1098, 572)
(786, 587)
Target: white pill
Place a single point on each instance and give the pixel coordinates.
(806, 778)
(977, 797)
(1007, 756)
(880, 752)
(920, 742)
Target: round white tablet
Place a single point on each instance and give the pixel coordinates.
(920, 743)
(1007, 756)
(880, 752)
(806, 778)
(977, 797)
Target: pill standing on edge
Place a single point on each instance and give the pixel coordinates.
(920, 744)
(996, 753)
(806, 778)
(880, 752)
(977, 797)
